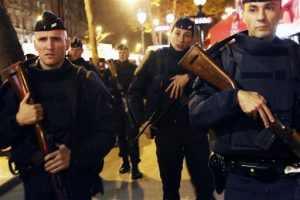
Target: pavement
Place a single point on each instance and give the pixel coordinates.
(117, 186)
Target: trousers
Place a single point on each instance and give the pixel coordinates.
(126, 132)
(38, 185)
(174, 144)
(285, 187)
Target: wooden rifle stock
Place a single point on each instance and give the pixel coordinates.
(16, 76)
(113, 70)
(198, 62)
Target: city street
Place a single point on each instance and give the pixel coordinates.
(117, 186)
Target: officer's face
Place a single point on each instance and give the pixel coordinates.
(51, 47)
(123, 55)
(181, 39)
(262, 18)
(75, 53)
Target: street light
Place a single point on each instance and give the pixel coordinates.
(138, 47)
(141, 17)
(124, 41)
(99, 29)
(170, 18)
(199, 4)
(156, 22)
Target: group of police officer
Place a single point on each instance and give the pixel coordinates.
(178, 113)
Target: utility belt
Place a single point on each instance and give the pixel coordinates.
(259, 168)
(265, 169)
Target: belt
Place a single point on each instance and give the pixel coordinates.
(257, 167)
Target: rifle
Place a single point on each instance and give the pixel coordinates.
(154, 118)
(198, 62)
(159, 112)
(113, 70)
(17, 77)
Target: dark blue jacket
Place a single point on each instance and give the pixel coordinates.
(125, 72)
(84, 125)
(150, 82)
(88, 66)
(266, 68)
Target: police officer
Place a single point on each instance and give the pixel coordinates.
(267, 71)
(166, 86)
(101, 66)
(74, 55)
(80, 126)
(126, 128)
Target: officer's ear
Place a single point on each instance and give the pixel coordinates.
(68, 43)
(281, 12)
(34, 42)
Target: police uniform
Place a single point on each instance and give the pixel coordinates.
(175, 139)
(126, 128)
(77, 113)
(76, 43)
(271, 69)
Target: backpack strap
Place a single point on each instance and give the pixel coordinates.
(83, 73)
(76, 82)
(218, 45)
(293, 49)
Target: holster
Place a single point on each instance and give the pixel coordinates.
(217, 167)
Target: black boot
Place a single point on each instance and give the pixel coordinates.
(125, 167)
(135, 172)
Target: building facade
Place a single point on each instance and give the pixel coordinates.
(23, 15)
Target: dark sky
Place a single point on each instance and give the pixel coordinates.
(114, 16)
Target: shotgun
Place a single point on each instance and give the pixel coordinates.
(17, 78)
(199, 62)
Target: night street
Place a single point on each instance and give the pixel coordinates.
(117, 186)
(159, 99)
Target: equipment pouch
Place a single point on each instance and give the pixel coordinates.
(265, 139)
